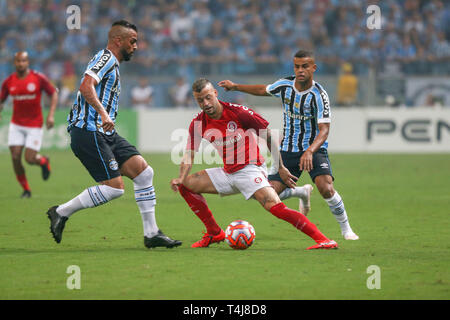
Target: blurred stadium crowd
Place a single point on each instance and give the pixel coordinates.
(230, 37)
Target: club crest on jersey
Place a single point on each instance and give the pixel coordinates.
(113, 165)
(231, 126)
(31, 87)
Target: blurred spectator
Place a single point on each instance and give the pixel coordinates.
(248, 37)
(347, 87)
(142, 94)
(180, 94)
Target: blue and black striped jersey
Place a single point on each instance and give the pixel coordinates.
(302, 113)
(104, 68)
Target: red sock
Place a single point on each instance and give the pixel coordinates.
(43, 161)
(298, 220)
(23, 181)
(198, 204)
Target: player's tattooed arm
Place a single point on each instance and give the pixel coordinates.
(272, 144)
(87, 89)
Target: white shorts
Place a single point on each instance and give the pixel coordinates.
(247, 181)
(29, 137)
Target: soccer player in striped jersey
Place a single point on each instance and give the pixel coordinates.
(307, 118)
(95, 142)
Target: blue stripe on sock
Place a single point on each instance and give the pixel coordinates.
(92, 197)
(141, 200)
(145, 189)
(150, 197)
(101, 195)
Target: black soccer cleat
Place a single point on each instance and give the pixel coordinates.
(57, 223)
(46, 169)
(161, 240)
(26, 194)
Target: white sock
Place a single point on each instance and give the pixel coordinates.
(89, 198)
(144, 194)
(337, 208)
(296, 192)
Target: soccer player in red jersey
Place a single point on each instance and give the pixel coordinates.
(25, 130)
(232, 130)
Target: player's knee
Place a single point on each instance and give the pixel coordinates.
(149, 172)
(112, 193)
(30, 159)
(277, 186)
(190, 184)
(270, 204)
(144, 179)
(15, 156)
(326, 191)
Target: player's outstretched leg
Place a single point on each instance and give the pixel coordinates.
(144, 194)
(303, 224)
(271, 202)
(198, 205)
(89, 198)
(303, 194)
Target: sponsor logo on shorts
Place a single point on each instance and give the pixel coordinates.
(324, 165)
(113, 165)
(258, 180)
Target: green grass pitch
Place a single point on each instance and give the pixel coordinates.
(399, 205)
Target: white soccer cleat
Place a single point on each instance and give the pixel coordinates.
(304, 202)
(350, 236)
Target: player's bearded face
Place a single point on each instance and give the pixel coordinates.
(207, 100)
(21, 64)
(129, 46)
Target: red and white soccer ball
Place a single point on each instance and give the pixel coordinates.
(240, 234)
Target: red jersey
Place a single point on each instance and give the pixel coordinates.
(233, 135)
(26, 95)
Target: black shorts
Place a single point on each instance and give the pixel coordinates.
(101, 155)
(291, 160)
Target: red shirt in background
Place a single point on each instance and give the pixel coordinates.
(26, 95)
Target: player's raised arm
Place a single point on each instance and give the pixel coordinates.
(185, 169)
(254, 89)
(288, 178)
(87, 89)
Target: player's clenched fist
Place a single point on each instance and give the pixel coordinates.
(174, 183)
